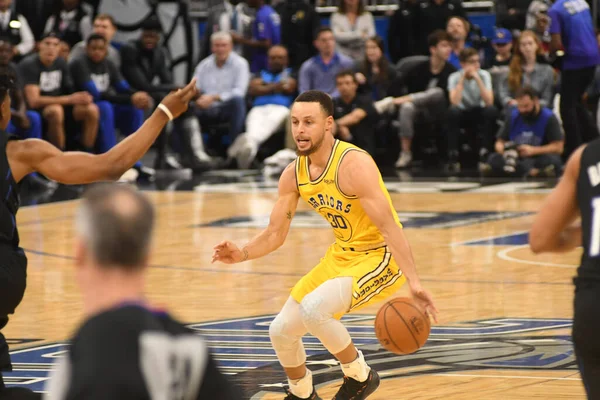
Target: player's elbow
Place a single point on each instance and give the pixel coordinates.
(539, 243)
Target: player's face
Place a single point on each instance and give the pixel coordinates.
(528, 46)
(527, 106)
(96, 50)
(456, 29)
(6, 53)
(278, 59)
(442, 50)
(373, 52)
(105, 28)
(309, 127)
(325, 43)
(150, 39)
(347, 86)
(221, 48)
(49, 49)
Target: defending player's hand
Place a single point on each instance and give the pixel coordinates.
(177, 101)
(228, 253)
(424, 300)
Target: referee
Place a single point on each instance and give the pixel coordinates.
(125, 349)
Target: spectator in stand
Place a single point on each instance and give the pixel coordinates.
(435, 14)
(510, 14)
(233, 16)
(535, 8)
(145, 67)
(502, 43)
(319, 72)
(572, 29)
(222, 81)
(525, 70)
(458, 28)
(36, 12)
(401, 38)
(530, 142)
(542, 30)
(71, 23)
(104, 25)
(49, 90)
(273, 91)
(352, 25)
(427, 85)
(299, 25)
(14, 27)
(120, 106)
(266, 31)
(471, 102)
(375, 73)
(354, 116)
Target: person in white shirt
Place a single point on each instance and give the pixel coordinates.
(15, 27)
(71, 23)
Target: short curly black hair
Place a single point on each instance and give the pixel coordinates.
(7, 82)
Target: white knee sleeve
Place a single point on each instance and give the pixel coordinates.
(318, 308)
(286, 333)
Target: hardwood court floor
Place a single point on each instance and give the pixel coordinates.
(471, 254)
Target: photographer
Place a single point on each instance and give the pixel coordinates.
(530, 142)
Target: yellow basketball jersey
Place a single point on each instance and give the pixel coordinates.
(352, 227)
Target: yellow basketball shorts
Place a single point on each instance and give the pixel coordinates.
(375, 275)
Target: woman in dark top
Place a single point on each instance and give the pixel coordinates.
(375, 73)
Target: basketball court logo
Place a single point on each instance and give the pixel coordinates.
(242, 348)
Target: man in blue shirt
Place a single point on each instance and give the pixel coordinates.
(273, 90)
(530, 142)
(572, 29)
(266, 32)
(319, 72)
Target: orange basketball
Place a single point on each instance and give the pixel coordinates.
(401, 326)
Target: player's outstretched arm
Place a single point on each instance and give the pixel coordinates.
(358, 175)
(77, 167)
(274, 235)
(552, 230)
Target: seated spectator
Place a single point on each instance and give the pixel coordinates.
(71, 23)
(352, 25)
(319, 72)
(471, 102)
(266, 31)
(273, 91)
(25, 123)
(535, 8)
(120, 107)
(542, 30)
(433, 15)
(49, 90)
(375, 73)
(299, 25)
(229, 16)
(401, 38)
(458, 28)
(427, 85)
(525, 70)
(530, 143)
(14, 27)
(144, 66)
(104, 25)
(222, 81)
(354, 115)
(502, 43)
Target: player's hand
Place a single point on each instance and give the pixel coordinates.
(361, 78)
(140, 100)
(204, 101)
(81, 98)
(526, 150)
(424, 300)
(21, 121)
(177, 101)
(228, 253)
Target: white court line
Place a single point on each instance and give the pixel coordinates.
(467, 242)
(510, 377)
(503, 254)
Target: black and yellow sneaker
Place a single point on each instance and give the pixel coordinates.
(354, 390)
(313, 396)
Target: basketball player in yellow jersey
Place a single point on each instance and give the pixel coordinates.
(368, 262)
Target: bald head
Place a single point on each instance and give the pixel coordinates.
(115, 224)
(278, 58)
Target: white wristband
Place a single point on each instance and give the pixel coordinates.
(166, 110)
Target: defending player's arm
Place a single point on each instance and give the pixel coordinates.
(552, 229)
(77, 167)
(274, 235)
(359, 176)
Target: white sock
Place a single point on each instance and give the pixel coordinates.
(302, 387)
(357, 369)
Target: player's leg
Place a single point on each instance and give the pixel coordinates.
(586, 328)
(286, 333)
(54, 114)
(89, 116)
(319, 310)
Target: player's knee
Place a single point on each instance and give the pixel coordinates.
(311, 311)
(92, 112)
(277, 332)
(54, 113)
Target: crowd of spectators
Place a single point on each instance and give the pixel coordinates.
(517, 103)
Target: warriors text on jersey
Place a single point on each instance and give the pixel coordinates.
(351, 225)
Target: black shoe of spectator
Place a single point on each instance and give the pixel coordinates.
(145, 174)
(168, 163)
